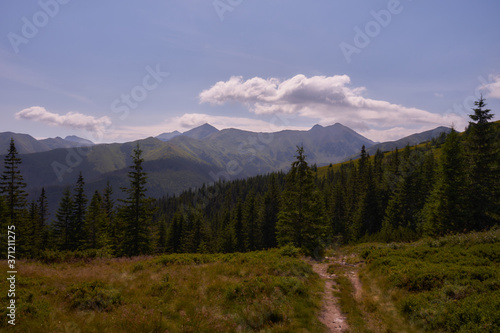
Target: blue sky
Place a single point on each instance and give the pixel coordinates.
(113, 71)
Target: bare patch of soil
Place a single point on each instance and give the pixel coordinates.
(330, 315)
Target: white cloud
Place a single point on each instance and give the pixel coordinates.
(493, 87)
(74, 120)
(327, 100)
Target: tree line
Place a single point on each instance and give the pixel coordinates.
(448, 185)
(80, 224)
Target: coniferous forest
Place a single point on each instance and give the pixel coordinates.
(448, 185)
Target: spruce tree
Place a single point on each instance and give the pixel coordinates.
(484, 170)
(175, 234)
(269, 214)
(32, 234)
(43, 228)
(225, 237)
(12, 187)
(3, 211)
(161, 244)
(404, 206)
(238, 228)
(95, 224)
(136, 211)
(3, 225)
(111, 223)
(77, 236)
(364, 217)
(337, 209)
(301, 221)
(63, 225)
(251, 230)
(446, 208)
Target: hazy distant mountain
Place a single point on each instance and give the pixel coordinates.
(26, 144)
(203, 154)
(168, 136)
(186, 161)
(80, 141)
(200, 132)
(252, 153)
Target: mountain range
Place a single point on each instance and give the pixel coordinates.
(179, 161)
(26, 144)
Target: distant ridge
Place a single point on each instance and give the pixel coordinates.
(200, 132)
(168, 136)
(26, 144)
(78, 140)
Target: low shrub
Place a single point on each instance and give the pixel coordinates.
(94, 296)
(451, 284)
(290, 251)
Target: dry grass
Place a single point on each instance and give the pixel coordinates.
(260, 291)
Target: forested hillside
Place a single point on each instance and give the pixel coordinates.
(450, 184)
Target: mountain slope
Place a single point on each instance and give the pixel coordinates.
(409, 140)
(26, 144)
(203, 155)
(201, 132)
(168, 136)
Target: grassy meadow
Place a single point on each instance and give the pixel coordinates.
(258, 291)
(450, 284)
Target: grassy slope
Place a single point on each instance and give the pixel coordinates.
(258, 291)
(451, 284)
(323, 171)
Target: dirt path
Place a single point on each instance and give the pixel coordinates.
(330, 315)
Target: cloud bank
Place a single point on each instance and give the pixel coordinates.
(493, 87)
(72, 120)
(327, 99)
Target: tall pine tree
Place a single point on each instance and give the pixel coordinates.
(77, 236)
(12, 187)
(111, 222)
(269, 213)
(136, 211)
(43, 228)
(251, 229)
(63, 225)
(484, 171)
(301, 221)
(96, 230)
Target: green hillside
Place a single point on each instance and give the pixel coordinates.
(450, 284)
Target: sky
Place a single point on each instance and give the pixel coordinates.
(120, 70)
